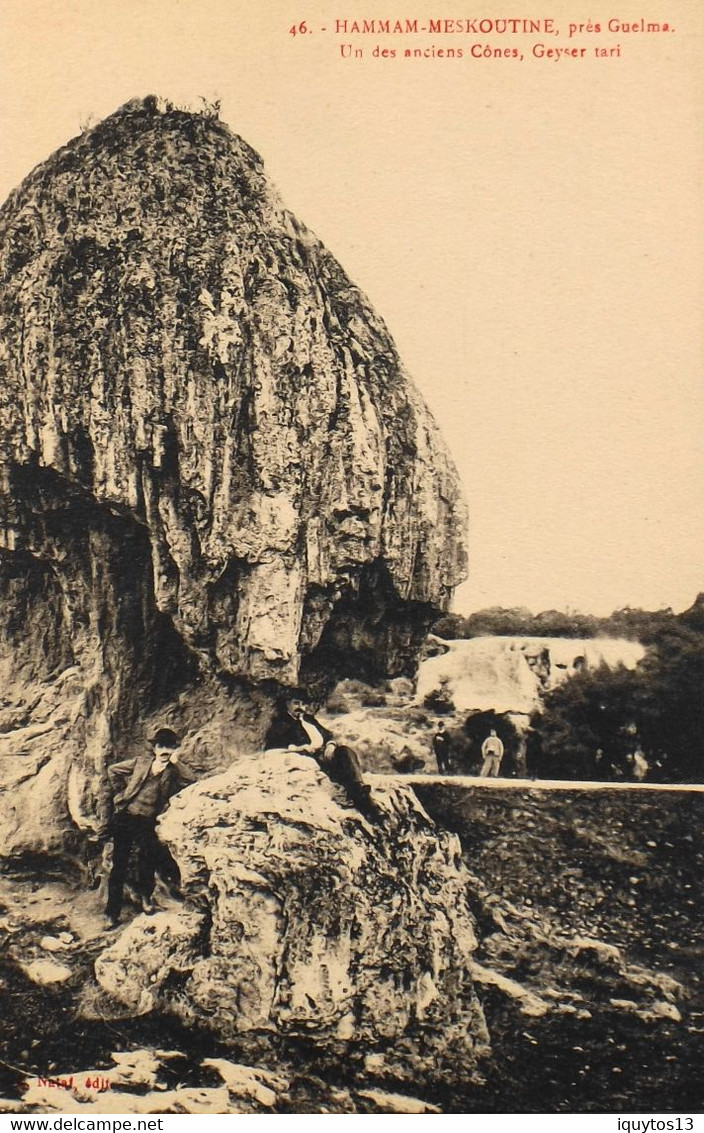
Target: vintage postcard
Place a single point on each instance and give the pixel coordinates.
(351, 559)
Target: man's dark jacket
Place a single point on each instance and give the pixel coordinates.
(128, 778)
(286, 729)
(441, 743)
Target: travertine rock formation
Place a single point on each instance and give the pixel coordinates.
(303, 920)
(177, 348)
(509, 674)
(210, 455)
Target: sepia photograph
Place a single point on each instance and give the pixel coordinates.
(351, 560)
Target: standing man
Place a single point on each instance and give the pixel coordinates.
(441, 747)
(142, 788)
(638, 764)
(492, 754)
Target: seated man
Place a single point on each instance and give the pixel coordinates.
(296, 729)
(142, 788)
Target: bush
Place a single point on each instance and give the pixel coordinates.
(350, 694)
(439, 700)
(659, 706)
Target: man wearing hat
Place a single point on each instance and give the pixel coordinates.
(142, 788)
(295, 728)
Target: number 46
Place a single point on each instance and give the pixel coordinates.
(299, 29)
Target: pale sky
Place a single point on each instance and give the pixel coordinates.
(531, 231)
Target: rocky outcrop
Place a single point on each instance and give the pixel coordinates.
(180, 350)
(211, 456)
(301, 919)
(586, 907)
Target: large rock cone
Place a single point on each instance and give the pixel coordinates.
(302, 919)
(209, 449)
(178, 345)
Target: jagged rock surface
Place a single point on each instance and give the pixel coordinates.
(209, 448)
(179, 346)
(304, 920)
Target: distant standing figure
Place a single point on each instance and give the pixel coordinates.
(441, 748)
(638, 765)
(142, 788)
(492, 754)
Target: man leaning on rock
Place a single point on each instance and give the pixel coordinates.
(295, 728)
(141, 789)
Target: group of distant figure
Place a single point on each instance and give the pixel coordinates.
(628, 765)
(632, 766)
(492, 753)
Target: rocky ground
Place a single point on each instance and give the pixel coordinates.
(385, 725)
(588, 969)
(67, 1047)
(591, 902)
(319, 952)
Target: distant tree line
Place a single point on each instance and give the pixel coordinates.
(631, 623)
